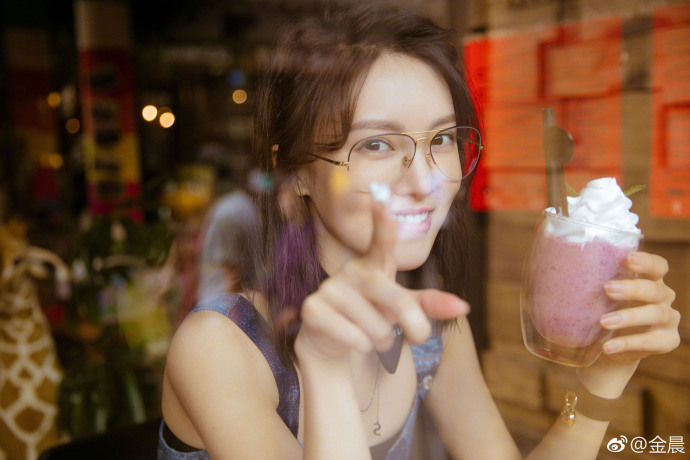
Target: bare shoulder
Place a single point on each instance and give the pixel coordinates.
(209, 346)
(215, 380)
(207, 335)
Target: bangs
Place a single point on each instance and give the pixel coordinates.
(329, 86)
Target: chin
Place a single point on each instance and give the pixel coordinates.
(409, 267)
(412, 252)
(412, 258)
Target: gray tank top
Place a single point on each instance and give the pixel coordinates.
(238, 309)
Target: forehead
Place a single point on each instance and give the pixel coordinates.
(404, 91)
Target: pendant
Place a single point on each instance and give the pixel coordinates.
(377, 429)
(390, 358)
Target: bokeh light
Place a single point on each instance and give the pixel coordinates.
(72, 126)
(166, 119)
(149, 112)
(239, 96)
(55, 161)
(51, 160)
(54, 99)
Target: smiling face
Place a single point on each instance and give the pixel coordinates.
(400, 94)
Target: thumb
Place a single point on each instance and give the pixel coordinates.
(384, 234)
(441, 305)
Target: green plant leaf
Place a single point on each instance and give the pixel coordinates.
(635, 189)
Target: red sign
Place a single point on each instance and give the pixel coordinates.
(574, 69)
(670, 168)
(111, 145)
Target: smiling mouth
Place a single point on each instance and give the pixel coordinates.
(412, 219)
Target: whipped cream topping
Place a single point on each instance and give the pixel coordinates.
(602, 203)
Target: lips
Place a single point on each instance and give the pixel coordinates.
(415, 220)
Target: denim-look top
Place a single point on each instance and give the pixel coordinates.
(238, 309)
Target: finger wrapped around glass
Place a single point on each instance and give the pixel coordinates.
(385, 158)
(563, 295)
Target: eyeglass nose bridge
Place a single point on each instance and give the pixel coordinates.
(407, 160)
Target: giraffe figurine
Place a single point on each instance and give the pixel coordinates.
(30, 373)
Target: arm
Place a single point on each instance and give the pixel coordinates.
(470, 425)
(469, 422)
(461, 406)
(651, 327)
(340, 317)
(332, 422)
(355, 309)
(467, 417)
(220, 393)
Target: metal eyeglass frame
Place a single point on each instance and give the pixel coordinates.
(406, 164)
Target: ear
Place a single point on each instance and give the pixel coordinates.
(300, 182)
(274, 155)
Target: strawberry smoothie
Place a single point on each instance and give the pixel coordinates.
(568, 299)
(571, 259)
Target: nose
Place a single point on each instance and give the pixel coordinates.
(418, 179)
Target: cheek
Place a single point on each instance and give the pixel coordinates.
(447, 195)
(355, 221)
(451, 192)
(346, 217)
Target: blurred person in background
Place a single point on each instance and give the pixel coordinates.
(330, 352)
(226, 263)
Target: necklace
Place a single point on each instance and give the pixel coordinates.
(389, 360)
(377, 425)
(375, 392)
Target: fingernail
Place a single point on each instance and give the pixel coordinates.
(635, 259)
(610, 319)
(613, 287)
(380, 192)
(611, 347)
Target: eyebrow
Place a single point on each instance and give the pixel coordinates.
(376, 124)
(393, 126)
(450, 118)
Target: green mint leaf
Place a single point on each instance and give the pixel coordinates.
(571, 191)
(635, 189)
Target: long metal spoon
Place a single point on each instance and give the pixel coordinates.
(559, 148)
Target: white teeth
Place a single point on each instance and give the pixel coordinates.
(412, 218)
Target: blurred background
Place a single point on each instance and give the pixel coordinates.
(123, 122)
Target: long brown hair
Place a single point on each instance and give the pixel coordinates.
(306, 101)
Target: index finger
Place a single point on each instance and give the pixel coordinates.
(648, 265)
(384, 236)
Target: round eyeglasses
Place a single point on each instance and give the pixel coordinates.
(385, 158)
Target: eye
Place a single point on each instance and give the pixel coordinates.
(444, 139)
(375, 145)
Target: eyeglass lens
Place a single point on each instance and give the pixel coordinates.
(384, 159)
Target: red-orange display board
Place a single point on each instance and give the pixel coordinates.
(111, 143)
(670, 168)
(574, 69)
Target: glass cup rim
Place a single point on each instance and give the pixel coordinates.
(570, 220)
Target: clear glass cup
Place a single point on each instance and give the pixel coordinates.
(563, 281)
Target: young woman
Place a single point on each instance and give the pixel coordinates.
(367, 116)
